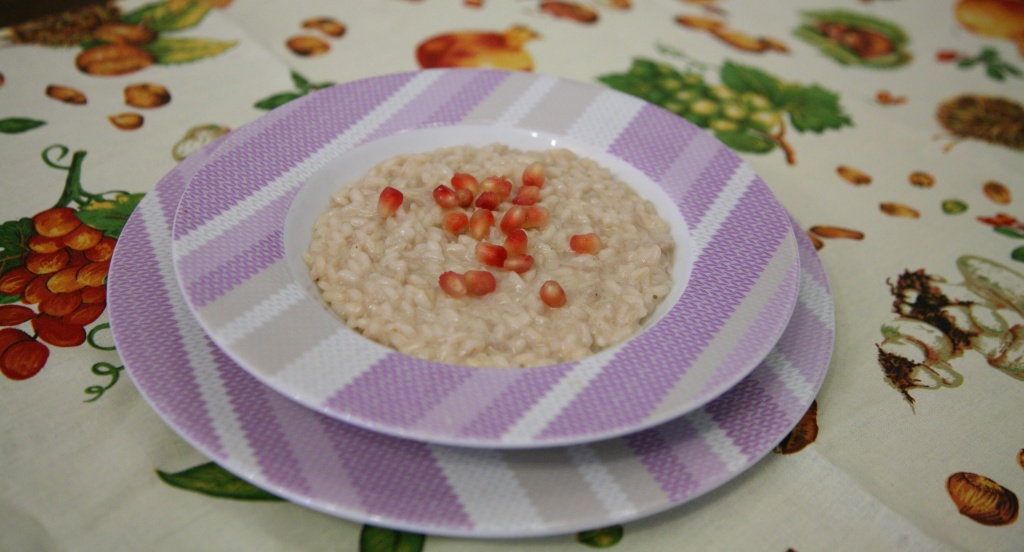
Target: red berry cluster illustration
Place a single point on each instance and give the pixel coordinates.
(53, 270)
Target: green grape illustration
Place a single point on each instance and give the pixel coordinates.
(748, 110)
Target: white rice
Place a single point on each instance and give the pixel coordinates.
(380, 275)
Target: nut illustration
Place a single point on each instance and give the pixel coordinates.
(853, 176)
(921, 179)
(146, 95)
(126, 121)
(837, 232)
(308, 46)
(982, 499)
(805, 432)
(997, 192)
(66, 94)
(899, 210)
(326, 25)
(113, 59)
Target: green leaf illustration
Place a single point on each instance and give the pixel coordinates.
(813, 108)
(1018, 254)
(605, 537)
(17, 125)
(172, 51)
(742, 78)
(746, 141)
(276, 100)
(14, 236)
(162, 16)
(1007, 231)
(379, 539)
(109, 215)
(213, 480)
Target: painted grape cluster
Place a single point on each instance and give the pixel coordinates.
(61, 285)
(748, 110)
(53, 270)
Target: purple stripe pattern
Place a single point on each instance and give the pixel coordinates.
(141, 305)
(648, 366)
(322, 116)
(388, 472)
(748, 235)
(406, 404)
(403, 484)
(251, 402)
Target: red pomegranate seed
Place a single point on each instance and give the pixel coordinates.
(480, 282)
(552, 294)
(519, 263)
(585, 243)
(513, 219)
(533, 175)
(536, 216)
(516, 242)
(527, 195)
(491, 255)
(488, 200)
(465, 181)
(389, 201)
(480, 223)
(465, 197)
(446, 197)
(498, 185)
(455, 221)
(453, 284)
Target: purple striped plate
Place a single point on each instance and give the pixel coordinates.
(246, 217)
(337, 468)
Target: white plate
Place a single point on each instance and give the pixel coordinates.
(333, 467)
(246, 218)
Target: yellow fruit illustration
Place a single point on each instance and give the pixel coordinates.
(994, 18)
(496, 50)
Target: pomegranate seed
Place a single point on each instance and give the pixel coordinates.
(453, 284)
(513, 219)
(465, 197)
(446, 197)
(533, 175)
(389, 201)
(480, 223)
(536, 216)
(455, 222)
(516, 242)
(552, 294)
(491, 255)
(527, 195)
(488, 200)
(519, 263)
(498, 185)
(465, 181)
(480, 282)
(585, 243)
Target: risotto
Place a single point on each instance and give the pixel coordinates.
(546, 258)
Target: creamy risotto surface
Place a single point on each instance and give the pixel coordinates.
(381, 271)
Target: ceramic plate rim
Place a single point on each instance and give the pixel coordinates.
(309, 391)
(170, 398)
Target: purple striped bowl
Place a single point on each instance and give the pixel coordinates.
(342, 470)
(244, 221)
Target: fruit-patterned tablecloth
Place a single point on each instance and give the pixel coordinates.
(892, 130)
